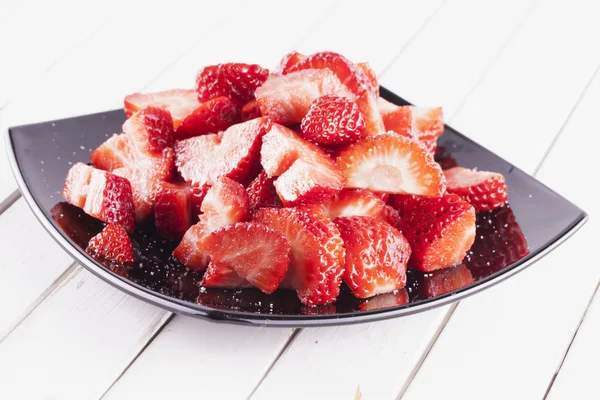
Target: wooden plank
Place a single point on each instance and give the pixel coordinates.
(197, 356)
(522, 338)
(76, 343)
(30, 263)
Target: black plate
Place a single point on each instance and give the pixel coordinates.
(508, 239)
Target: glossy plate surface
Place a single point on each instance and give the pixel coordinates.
(508, 239)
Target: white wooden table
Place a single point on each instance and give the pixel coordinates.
(519, 76)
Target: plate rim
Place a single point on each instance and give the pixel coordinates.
(276, 320)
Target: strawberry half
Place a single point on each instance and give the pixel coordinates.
(234, 153)
(261, 192)
(392, 164)
(178, 102)
(101, 194)
(426, 123)
(173, 209)
(305, 174)
(250, 111)
(448, 280)
(484, 190)
(347, 72)
(112, 243)
(317, 251)
(212, 116)
(440, 230)
(287, 61)
(353, 202)
(333, 121)
(287, 98)
(116, 152)
(376, 256)
(234, 80)
(150, 129)
(188, 252)
(255, 252)
(225, 203)
(222, 275)
(371, 74)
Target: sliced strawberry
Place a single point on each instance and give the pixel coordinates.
(333, 121)
(426, 123)
(376, 255)
(261, 192)
(448, 280)
(367, 104)
(150, 129)
(255, 252)
(173, 209)
(223, 275)
(346, 71)
(101, 194)
(484, 190)
(250, 111)
(371, 74)
(198, 195)
(146, 175)
(234, 153)
(440, 230)
(112, 243)
(392, 164)
(499, 242)
(178, 102)
(385, 300)
(287, 61)
(116, 152)
(431, 145)
(234, 80)
(212, 116)
(390, 215)
(287, 98)
(305, 173)
(383, 196)
(353, 202)
(317, 251)
(225, 203)
(188, 252)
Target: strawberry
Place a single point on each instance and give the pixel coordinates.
(223, 275)
(198, 194)
(347, 72)
(317, 251)
(305, 174)
(287, 98)
(392, 164)
(440, 230)
(371, 74)
(212, 116)
(112, 244)
(173, 209)
(390, 215)
(234, 80)
(234, 153)
(188, 252)
(225, 203)
(101, 194)
(116, 152)
(256, 253)
(383, 196)
(261, 192)
(431, 145)
(376, 255)
(353, 202)
(146, 174)
(178, 102)
(250, 111)
(287, 61)
(386, 300)
(446, 281)
(426, 123)
(484, 190)
(150, 129)
(367, 104)
(333, 121)
(499, 242)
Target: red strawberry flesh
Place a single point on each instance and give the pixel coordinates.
(112, 243)
(333, 121)
(212, 116)
(484, 190)
(173, 209)
(353, 202)
(234, 80)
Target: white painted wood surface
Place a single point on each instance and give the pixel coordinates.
(509, 62)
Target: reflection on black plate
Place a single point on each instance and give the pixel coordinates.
(508, 239)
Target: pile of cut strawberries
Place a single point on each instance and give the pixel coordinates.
(298, 178)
